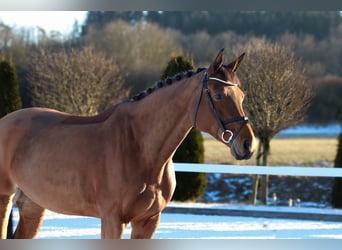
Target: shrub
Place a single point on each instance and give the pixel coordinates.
(190, 186)
(83, 81)
(9, 89)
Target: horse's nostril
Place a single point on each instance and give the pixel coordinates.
(247, 145)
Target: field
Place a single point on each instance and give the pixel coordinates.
(284, 151)
(292, 151)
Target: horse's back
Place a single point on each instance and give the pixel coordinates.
(17, 125)
(30, 116)
(13, 127)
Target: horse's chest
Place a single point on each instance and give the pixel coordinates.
(152, 198)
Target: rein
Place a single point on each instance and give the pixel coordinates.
(221, 124)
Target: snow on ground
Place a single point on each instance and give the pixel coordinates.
(191, 226)
(318, 130)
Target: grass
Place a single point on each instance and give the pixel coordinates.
(284, 151)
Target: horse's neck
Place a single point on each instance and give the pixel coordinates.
(165, 117)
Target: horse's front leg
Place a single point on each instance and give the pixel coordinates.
(145, 229)
(112, 228)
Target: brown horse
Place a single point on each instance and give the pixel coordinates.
(116, 166)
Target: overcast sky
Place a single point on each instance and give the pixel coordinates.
(61, 21)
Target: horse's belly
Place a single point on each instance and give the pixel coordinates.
(66, 193)
(61, 201)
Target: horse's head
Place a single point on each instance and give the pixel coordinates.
(219, 108)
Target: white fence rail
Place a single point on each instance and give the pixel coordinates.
(262, 170)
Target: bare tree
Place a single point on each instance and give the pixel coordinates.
(278, 96)
(142, 49)
(78, 81)
(6, 36)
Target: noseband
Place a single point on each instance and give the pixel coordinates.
(221, 124)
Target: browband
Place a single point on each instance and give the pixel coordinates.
(221, 81)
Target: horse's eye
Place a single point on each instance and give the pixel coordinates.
(218, 97)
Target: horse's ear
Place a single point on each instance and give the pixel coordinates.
(217, 63)
(236, 63)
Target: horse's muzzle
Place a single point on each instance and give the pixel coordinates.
(243, 150)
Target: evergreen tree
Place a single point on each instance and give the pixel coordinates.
(190, 186)
(336, 199)
(9, 89)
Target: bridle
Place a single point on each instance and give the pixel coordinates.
(221, 124)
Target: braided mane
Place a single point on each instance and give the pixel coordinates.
(166, 82)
